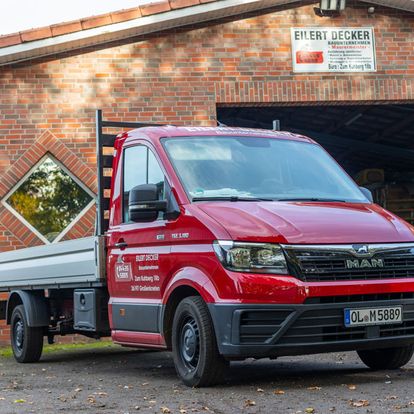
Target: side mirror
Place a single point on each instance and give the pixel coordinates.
(367, 193)
(143, 203)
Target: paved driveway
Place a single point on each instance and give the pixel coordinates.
(117, 380)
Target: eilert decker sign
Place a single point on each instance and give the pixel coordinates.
(328, 49)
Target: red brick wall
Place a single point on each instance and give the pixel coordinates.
(178, 77)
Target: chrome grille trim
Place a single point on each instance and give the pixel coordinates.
(317, 263)
(349, 248)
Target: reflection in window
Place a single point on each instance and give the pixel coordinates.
(141, 167)
(49, 199)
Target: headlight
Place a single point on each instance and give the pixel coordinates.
(251, 257)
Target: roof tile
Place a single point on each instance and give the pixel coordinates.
(96, 21)
(10, 40)
(180, 4)
(65, 28)
(124, 15)
(155, 8)
(36, 34)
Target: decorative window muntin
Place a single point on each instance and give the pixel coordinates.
(49, 199)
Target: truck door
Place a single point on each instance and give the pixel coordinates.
(138, 253)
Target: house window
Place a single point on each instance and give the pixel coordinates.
(49, 200)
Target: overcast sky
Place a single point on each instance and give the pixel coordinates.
(16, 15)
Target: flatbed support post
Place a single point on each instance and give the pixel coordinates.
(99, 165)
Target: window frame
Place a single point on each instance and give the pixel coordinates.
(148, 148)
(33, 229)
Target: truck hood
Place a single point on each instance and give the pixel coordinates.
(308, 222)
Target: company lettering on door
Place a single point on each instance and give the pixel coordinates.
(147, 278)
(327, 49)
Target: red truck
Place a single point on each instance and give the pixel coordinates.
(221, 244)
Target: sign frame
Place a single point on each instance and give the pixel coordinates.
(317, 56)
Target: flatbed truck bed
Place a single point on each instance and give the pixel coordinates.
(69, 264)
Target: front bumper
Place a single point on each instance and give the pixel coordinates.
(268, 330)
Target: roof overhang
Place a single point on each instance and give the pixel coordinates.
(150, 24)
(132, 28)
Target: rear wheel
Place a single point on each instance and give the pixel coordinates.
(389, 358)
(26, 341)
(196, 357)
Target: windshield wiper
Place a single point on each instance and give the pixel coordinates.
(230, 198)
(333, 200)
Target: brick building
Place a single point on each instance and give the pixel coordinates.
(196, 62)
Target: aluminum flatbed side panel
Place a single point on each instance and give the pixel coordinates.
(72, 262)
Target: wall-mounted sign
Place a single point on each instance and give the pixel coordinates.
(329, 49)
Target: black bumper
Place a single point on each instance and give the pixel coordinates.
(258, 331)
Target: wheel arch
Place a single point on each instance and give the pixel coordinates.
(185, 283)
(35, 307)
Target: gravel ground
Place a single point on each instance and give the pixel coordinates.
(112, 379)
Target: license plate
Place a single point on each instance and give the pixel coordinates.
(373, 316)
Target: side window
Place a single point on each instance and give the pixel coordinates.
(140, 167)
(155, 174)
(135, 167)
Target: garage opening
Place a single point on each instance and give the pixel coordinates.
(374, 143)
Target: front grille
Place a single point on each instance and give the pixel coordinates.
(316, 326)
(339, 263)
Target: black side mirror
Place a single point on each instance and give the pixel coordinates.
(367, 193)
(143, 203)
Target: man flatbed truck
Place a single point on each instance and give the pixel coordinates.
(221, 244)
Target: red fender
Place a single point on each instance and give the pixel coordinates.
(195, 278)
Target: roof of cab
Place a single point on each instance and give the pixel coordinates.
(157, 132)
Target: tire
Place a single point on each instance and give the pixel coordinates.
(26, 341)
(196, 357)
(389, 358)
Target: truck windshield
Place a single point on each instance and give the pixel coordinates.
(240, 168)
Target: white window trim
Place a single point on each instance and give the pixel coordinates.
(30, 226)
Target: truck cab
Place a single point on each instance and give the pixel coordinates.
(228, 243)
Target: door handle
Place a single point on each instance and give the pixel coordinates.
(121, 245)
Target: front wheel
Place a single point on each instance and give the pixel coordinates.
(196, 357)
(389, 358)
(26, 341)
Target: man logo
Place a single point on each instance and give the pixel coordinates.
(361, 249)
(364, 263)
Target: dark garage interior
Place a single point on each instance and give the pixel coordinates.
(374, 143)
